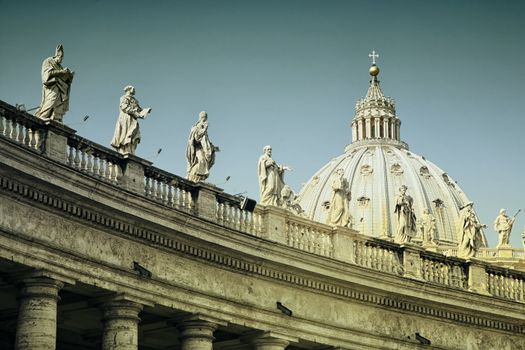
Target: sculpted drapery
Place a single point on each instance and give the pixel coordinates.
(271, 179)
(200, 152)
(470, 237)
(406, 218)
(338, 212)
(127, 132)
(56, 82)
(503, 225)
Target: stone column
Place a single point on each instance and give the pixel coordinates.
(196, 332)
(360, 130)
(368, 129)
(385, 128)
(37, 316)
(121, 319)
(354, 132)
(377, 133)
(269, 341)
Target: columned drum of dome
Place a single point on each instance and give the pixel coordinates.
(377, 163)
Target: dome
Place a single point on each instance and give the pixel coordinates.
(376, 164)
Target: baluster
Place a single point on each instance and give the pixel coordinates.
(95, 167)
(107, 170)
(9, 128)
(21, 135)
(169, 195)
(27, 137)
(82, 160)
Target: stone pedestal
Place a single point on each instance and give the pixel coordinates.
(133, 173)
(37, 316)
(274, 223)
(55, 142)
(343, 241)
(477, 277)
(412, 263)
(505, 251)
(121, 318)
(196, 332)
(207, 201)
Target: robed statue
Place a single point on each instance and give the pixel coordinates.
(470, 234)
(200, 152)
(503, 225)
(406, 218)
(338, 207)
(127, 133)
(56, 88)
(271, 178)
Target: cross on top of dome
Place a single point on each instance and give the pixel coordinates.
(373, 55)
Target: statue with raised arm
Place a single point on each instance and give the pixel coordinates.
(428, 227)
(406, 218)
(338, 208)
(200, 152)
(503, 226)
(470, 235)
(271, 178)
(56, 82)
(127, 132)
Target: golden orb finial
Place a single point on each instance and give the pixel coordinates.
(374, 70)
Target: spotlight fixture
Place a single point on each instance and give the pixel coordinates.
(141, 270)
(284, 309)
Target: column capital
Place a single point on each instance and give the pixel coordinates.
(269, 338)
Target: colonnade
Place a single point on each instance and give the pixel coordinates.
(375, 128)
(37, 321)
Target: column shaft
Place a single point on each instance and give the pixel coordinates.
(37, 316)
(120, 325)
(197, 335)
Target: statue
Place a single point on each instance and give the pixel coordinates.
(503, 226)
(271, 178)
(428, 227)
(127, 132)
(290, 202)
(338, 211)
(200, 152)
(56, 82)
(406, 218)
(470, 236)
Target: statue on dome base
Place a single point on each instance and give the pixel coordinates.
(338, 208)
(200, 152)
(470, 236)
(56, 82)
(503, 226)
(271, 179)
(428, 228)
(127, 132)
(406, 218)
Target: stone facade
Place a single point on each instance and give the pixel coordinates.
(103, 251)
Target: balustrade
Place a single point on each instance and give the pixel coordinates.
(229, 214)
(506, 284)
(444, 271)
(371, 254)
(168, 189)
(309, 236)
(22, 129)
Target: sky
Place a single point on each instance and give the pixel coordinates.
(288, 74)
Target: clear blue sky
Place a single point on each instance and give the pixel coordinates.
(288, 73)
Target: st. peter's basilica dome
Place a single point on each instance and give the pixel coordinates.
(377, 163)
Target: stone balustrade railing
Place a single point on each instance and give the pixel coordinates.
(61, 144)
(93, 159)
(169, 189)
(21, 127)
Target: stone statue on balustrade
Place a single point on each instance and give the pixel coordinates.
(56, 88)
(503, 226)
(127, 132)
(470, 232)
(290, 201)
(406, 218)
(200, 152)
(271, 179)
(428, 229)
(338, 207)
